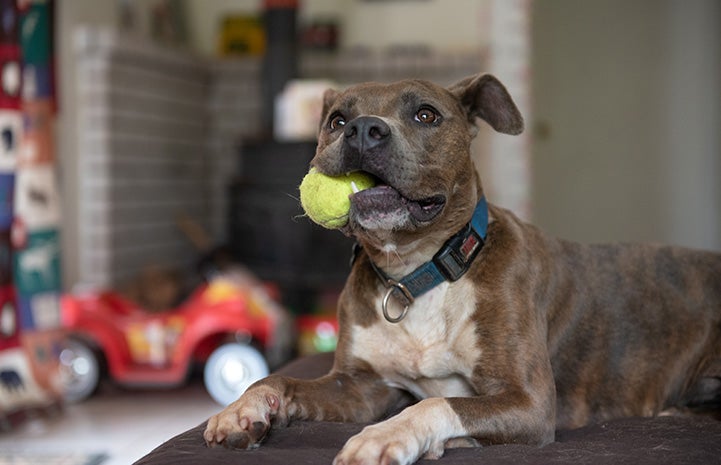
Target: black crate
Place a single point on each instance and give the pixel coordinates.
(269, 232)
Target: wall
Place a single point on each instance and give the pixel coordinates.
(142, 151)
(69, 15)
(456, 25)
(627, 112)
(692, 83)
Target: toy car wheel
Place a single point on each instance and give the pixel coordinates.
(79, 370)
(230, 369)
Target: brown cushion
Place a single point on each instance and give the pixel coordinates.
(632, 441)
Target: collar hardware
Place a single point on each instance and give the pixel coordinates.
(393, 286)
(450, 263)
(455, 257)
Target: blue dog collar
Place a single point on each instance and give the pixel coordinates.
(448, 264)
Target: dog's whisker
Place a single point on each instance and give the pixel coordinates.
(400, 259)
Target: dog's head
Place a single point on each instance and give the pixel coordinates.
(414, 137)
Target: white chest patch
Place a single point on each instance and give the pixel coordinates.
(432, 351)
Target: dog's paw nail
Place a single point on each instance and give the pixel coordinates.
(213, 438)
(273, 402)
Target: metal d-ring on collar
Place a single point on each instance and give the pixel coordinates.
(393, 285)
(448, 264)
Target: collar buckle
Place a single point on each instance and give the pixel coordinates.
(454, 258)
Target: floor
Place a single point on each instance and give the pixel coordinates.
(123, 424)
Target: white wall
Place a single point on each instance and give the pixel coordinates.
(692, 86)
(627, 116)
(445, 24)
(69, 15)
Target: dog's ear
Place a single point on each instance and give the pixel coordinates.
(329, 98)
(484, 96)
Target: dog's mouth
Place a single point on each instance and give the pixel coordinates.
(384, 206)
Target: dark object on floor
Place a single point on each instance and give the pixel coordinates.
(632, 441)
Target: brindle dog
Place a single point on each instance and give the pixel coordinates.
(523, 334)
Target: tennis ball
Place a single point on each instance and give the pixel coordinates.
(326, 199)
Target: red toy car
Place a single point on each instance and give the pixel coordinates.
(220, 325)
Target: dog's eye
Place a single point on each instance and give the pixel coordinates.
(427, 116)
(336, 121)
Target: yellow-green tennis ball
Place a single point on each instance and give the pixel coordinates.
(326, 199)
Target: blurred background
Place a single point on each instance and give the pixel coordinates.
(621, 101)
(153, 145)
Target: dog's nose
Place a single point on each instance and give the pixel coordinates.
(366, 132)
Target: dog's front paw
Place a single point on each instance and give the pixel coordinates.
(386, 444)
(244, 423)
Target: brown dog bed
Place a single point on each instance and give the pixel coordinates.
(632, 441)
